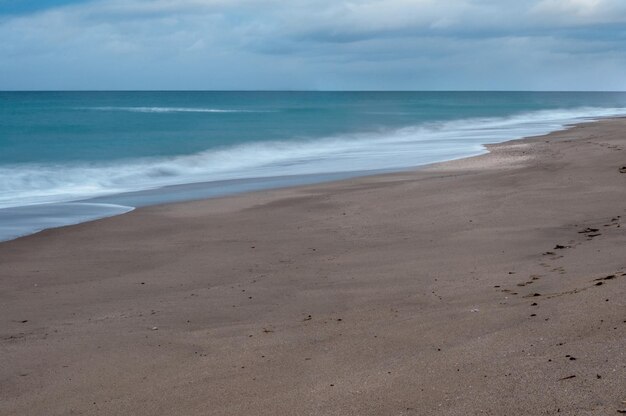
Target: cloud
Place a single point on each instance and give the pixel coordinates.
(582, 11)
(401, 44)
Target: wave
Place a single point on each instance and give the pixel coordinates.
(170, 110)
(20, 221)
(26, 184)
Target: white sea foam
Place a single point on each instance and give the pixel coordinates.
(170, 110)
(27, 184)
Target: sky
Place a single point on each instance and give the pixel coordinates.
(313, 45)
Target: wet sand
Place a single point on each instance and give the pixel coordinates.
(492, 285)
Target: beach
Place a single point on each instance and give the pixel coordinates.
(489, 285)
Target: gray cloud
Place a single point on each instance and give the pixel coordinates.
(317, 44)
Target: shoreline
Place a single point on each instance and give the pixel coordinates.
(476, 285)
(20, 221)
(33, 219)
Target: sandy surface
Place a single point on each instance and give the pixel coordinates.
(479, 286)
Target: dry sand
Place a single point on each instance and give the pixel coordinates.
(479, 286)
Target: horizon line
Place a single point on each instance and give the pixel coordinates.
(310, 90)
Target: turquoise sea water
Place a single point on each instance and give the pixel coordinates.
(67, 157)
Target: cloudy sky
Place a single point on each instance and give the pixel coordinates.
(313, 44)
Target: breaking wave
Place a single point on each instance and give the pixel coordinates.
(170, 110)
(25, 184)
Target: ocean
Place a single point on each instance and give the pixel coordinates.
(69, 157)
